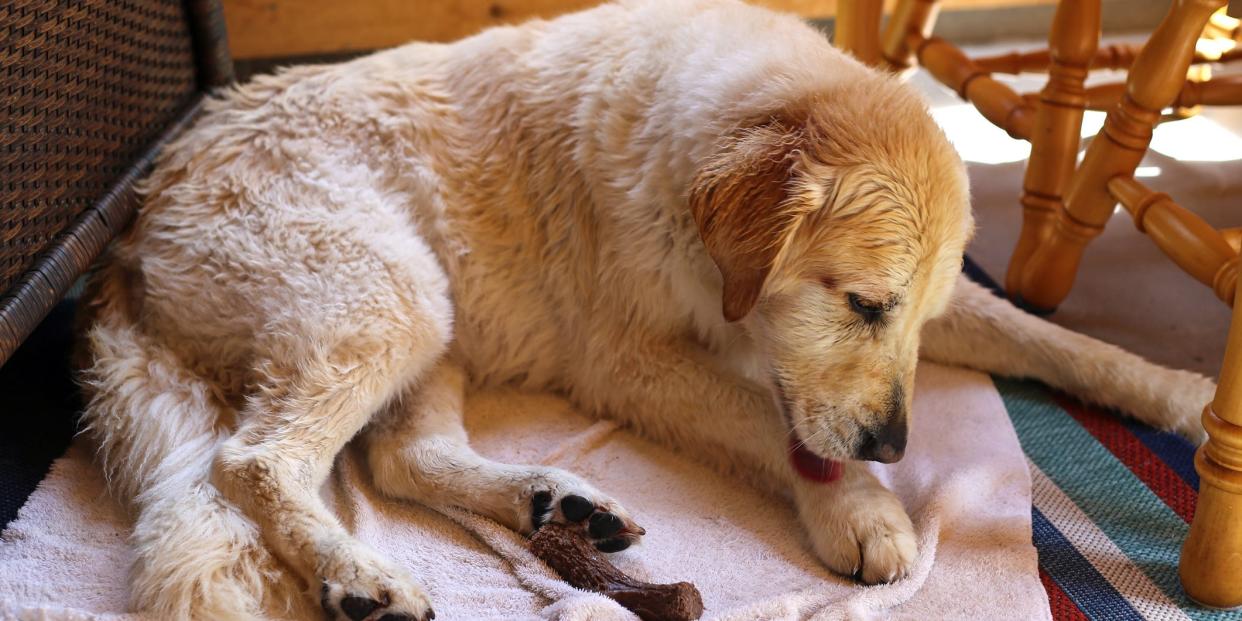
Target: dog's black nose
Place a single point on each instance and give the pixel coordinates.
(886, 444)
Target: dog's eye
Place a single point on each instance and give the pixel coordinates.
(870, 311)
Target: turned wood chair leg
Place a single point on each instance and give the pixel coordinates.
(910, 17)
(1194, 245)
(1072, 42)
(858, 29)
(1211, 564)
(996, 101)
(1153, 84)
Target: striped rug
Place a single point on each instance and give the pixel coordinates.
(1112, 501)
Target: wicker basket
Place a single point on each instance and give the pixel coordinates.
(89, 91)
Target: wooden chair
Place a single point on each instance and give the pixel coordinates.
(1066, 206)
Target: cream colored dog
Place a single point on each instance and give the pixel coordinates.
(696, 217)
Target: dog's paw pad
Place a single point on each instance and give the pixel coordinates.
(362, 608)
(431, 614)
(604, 525)
(612, 545)
(540, 509)
(576, 508)
(357, 608)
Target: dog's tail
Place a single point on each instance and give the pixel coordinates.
(985, 332)
(156, 427)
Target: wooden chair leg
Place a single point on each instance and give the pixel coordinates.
(995, 100)
(1072, 42)
(1220, 91)
(910, 17)
(1196, 247)
(1211, 564)
(1152, 85)
(858, 29)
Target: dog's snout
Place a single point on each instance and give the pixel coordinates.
(887, 443)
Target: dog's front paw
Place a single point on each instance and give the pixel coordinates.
(861, 533)
(871, 548)
(358, 585)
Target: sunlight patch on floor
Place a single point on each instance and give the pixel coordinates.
(1092, 121)
(977, 139)
(1197, 139)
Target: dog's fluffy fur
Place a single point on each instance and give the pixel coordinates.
(696, 217)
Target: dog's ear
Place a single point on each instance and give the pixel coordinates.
(741, 201)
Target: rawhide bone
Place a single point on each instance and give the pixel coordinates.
(568, 552)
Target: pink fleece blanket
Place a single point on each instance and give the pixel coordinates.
(964, 481)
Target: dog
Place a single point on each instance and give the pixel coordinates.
(697, 218)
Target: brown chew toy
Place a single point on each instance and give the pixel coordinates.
(569, 553)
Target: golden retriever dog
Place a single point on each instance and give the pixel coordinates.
(695, 217)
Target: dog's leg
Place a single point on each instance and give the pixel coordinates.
(418, 450)
(321, 383)
(673, 394)
(156, 428)
(985, 332)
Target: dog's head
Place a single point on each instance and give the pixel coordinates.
(838, 225)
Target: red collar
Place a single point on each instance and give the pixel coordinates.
(812, 467)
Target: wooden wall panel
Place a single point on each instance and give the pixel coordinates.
(271, 28)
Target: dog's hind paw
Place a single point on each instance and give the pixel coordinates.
(357, 585)
(563, 499)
